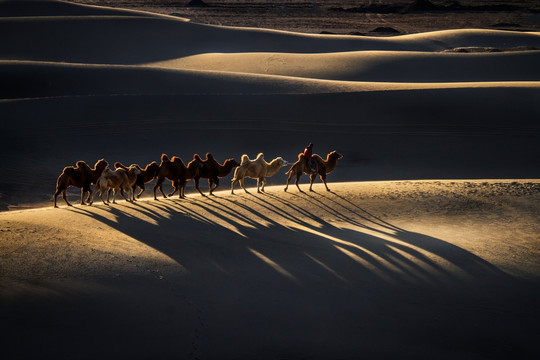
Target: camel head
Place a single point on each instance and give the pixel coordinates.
(231, 162)
(152, 167)
(335, 155)
(279, 162)
(101, 164)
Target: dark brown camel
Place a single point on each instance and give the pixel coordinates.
(179, 174)
(81, 176)
(145, 176)
(323, 167)
(213, 170)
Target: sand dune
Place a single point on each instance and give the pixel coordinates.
(143, 84)
(381, 270)
(373, 66)
(137, 39)
(373, 269)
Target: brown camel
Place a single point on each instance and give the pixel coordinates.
(81, 176)
(144, 176)
(323, 167)
(118, 180)
(213, 170)
(179, 174)
(256, 169)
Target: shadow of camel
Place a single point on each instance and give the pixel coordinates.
(274, 278)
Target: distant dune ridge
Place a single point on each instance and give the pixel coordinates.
(407, 266)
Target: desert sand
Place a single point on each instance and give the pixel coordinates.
(426, 247)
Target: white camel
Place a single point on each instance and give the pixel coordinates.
(256, 169)
(118, 180)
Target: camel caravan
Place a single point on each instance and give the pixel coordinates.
(126, 179)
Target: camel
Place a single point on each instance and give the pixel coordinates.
(213, 170)
(81, 176)
(256, 169)
(179, 174)
(144, 176)
(323, 167)
(118, 180)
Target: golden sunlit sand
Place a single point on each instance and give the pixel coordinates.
(400, 268)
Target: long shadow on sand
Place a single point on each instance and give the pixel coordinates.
(275, 278)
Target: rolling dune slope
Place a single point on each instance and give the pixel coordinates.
(379, 269)
(374, 66)
(91, 82)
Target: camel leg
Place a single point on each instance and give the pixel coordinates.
(101, 191)
(312, 178)
(159, 185)
(56, 193)
(90, 199)
(196, 180)
(142, 190)
(65, 197)
(82, 196)
(291, 174)
(216, 182)
(263, 183)
(258, 185)
(89, 194)
(243, 186)
(175, 188)
(109, 193)
(233, 182)
(123, 194)
(323, 178)
(296, 182)
(182, 193)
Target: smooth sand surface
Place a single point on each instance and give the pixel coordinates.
(376, 269)
(415, 269)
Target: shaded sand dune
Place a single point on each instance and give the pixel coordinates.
(83, 82)
(413, 270)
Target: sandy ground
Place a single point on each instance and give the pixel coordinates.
(385, 266)
(414, 269)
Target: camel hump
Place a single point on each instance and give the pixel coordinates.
(69, 171)
(176, 159)
(119, 165)
(244, 159)
(300, 156)
(164, 158)
(260, 156)
(197, 157)
(80, 163)
(209, 156)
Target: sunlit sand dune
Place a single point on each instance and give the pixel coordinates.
(416, 269)
(374, 269)
(374, 66)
